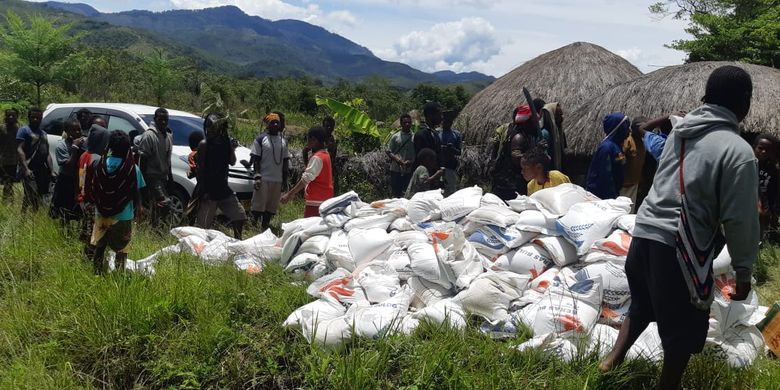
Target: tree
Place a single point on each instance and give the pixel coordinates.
(162, 75)
(39, 53)
(727, 30)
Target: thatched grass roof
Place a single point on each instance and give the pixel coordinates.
(568, 75)
(667, 90)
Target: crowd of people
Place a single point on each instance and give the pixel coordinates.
(105, 179)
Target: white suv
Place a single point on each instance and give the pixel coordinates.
(135, 119)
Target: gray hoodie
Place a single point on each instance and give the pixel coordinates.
(721, 183)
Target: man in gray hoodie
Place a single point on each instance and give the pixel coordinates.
(720, 177)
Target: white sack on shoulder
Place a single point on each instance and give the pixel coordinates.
(587, 222)
(559, 199)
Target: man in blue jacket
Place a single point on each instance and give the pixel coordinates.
(605, 175)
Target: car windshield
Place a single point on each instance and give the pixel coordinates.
(182, 127)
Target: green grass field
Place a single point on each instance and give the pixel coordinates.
(198, 326)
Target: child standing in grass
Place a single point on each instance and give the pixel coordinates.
(427, 175)
(317, 179)
(114, 185)
(764, 148)
(536, 165)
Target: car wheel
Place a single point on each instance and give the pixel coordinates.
(178, 202)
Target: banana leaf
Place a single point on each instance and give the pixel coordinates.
(357, 121)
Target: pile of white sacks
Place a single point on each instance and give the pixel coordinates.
(553, 262)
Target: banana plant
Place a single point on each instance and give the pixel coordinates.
(353, 119)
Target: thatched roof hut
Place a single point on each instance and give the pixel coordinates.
(667, 90)
(568, 75)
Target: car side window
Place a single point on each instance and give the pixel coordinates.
(119, 123)
(54, 121)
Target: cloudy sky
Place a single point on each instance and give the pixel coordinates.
(489, 36)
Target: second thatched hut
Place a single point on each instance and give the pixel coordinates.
(667, 90)
(569, 75)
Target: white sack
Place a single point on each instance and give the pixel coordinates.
(530, 259)
(563, 309)
(494, 215)
(424, 206)
(379, 280)
(425, 264)
(617, 243)
(297, 226)
(193, 244)
(537, 222)
(216, 251)
(490, 294)
(399, 260)
(461, 203)
(585, 223)
(401, 225)
(425, 293)
(599, 256)
(492, 200)
(613, 280)
(446, 310)
(338, 253)
(559, 199)
(722, 264)
(374, 320)
(263, 246)
(336, 221)
(487, 244)
(405, 239)
(511, 237)
(562, 251)
(647, 346)
(323, 309)
(740, 347)
(204, 234)
(602, 339)
(290, 247)
(627, 223)
(551, 345)
(373, 222)
(523, 203)
(339, 203)
(366, 245)
(340, 284)
(465, 266)
(553, 276)
(314, 245)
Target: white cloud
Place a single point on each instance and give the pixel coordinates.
(453, 46)
(633, 54)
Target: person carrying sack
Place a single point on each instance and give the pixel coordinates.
(707, 183)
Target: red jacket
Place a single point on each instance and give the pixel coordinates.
(321, 188)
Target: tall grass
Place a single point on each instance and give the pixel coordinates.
(198, 326)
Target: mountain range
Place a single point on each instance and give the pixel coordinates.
(226, 39)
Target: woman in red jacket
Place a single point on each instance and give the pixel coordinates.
(317, 178)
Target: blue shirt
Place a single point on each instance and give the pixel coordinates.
(449, 158)
(605, 175)
(654, 143)
(32, 137)
(112, 164)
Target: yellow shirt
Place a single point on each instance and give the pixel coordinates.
(555, 178)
